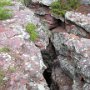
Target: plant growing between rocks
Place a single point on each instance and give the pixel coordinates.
(31, 29)
(61, 6)
(5, 3)
(5, 13)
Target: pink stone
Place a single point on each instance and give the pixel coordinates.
(15, 42)
(10, 33)
(2, 29)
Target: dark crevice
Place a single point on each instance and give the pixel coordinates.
(47, 76)
(49, 55)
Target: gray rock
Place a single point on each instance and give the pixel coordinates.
(85, 2)
(22, 65)
(40, 12)
(79, 19)
(45, 2)
(86, 86)
(72, 29)
(60, 81)
(67, 67)
(76, 50)
(77, 85)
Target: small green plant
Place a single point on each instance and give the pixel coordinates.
(2, 75)
(5, 3)
(73, 3)
(60, 7)
(31, 29)
(4, 49)
(5, 13)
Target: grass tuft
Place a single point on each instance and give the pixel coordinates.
(31, 29)
(5, 3)
(5, 13)
(60, 7)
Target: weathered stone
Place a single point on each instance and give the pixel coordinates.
(22, 65)
(40, 12)
(76, 50)
(79, 19)
(85, 2)
(51, 21)
(44, 2)
(58, 17)
(60, 81)
(77, 84)
(86, 86)
(72, 29)
(67, 66)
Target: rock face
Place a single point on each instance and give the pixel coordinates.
(59, 60)
(85, 2)
(73, 55)
(21, 63)
(76, 30)
(45, 2)
(79, 19)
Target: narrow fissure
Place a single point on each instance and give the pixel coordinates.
(47, 76)
(49, 55)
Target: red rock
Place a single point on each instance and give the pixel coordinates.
(15, 42)
(10, 33)
(2, 29)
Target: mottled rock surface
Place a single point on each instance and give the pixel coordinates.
(73, 57)
(21, 63)
(79, 19)
(85, 2)
(44, 2)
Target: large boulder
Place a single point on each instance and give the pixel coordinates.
(79, 19)
(21, 63)
(45, 2)
(74, 55)
(85, 2)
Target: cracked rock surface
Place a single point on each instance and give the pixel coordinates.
(21, 65)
